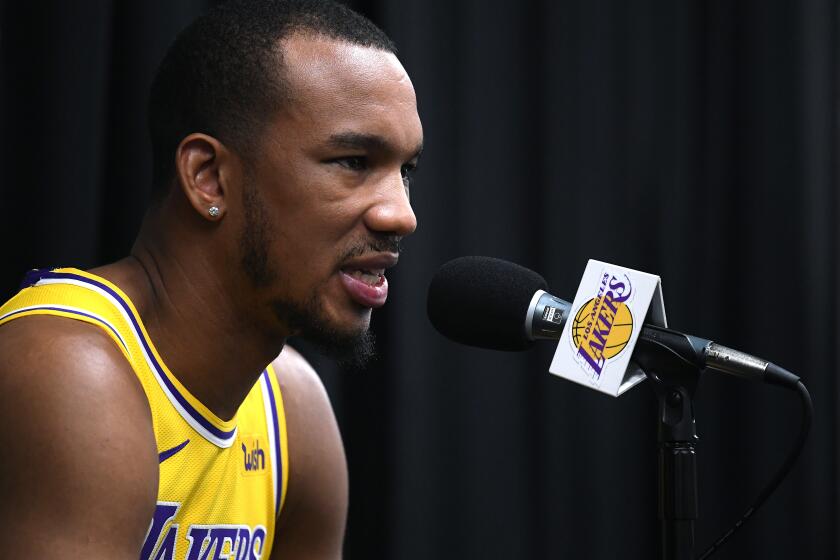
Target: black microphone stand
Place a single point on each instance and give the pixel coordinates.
(674, 374)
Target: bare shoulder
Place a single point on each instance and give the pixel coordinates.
(295, 367)
(312, 521)
(85, 459)
(299, 379)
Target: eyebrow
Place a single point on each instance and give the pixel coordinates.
(361, 141)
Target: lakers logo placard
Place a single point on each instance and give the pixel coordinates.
(604, 324)
(611, 305)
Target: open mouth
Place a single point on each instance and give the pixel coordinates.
(364, 279)
(375, 277)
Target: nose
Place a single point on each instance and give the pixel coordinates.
(392, 212)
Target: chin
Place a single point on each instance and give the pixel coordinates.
(353, 348)
(360, 322)
(344, 316)
(341, 332)
(349, 330)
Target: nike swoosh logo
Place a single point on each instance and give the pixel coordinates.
(164, 455)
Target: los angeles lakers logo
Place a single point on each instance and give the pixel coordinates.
(604, 324)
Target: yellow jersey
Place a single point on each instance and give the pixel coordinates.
(222, 483)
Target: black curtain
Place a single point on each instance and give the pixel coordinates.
(696, 140)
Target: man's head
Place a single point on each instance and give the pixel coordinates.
(299, 123)
(223, 75)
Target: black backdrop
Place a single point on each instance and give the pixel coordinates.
(692, 139)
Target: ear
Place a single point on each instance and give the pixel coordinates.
(198, 161)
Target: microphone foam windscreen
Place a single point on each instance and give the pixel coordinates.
(482, 301)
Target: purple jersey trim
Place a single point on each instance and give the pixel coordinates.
(278, 468)
(206, 424)
(72, 312)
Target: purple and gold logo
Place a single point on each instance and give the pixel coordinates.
(603, 325)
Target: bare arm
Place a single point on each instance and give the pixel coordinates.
(312, 523)
(79, 469)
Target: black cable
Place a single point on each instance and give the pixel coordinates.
(807, 417)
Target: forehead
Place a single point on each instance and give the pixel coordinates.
(335, 86)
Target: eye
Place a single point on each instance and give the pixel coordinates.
(354, 163)
(407, 171)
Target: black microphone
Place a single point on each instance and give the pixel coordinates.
(495, 304)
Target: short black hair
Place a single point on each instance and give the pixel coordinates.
(222, 75)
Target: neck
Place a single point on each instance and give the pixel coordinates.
(207, 330)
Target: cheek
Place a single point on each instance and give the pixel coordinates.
(308, 246)
(314, 218)
(322, 229)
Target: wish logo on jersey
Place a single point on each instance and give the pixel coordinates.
(253, 456)
(205, 542)
(604, 324)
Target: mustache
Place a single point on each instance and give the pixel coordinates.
(384, 244)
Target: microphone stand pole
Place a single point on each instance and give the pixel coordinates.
(674, 379)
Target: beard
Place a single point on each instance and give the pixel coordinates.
(353, 349)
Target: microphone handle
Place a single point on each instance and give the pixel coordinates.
(656, 339)
(705, 354)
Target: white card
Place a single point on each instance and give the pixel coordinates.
(610, 307)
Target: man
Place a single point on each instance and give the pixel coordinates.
(148, 411)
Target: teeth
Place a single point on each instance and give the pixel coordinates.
(369, 277)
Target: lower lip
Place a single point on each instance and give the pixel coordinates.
(365, 294)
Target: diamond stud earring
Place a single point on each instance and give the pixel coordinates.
(214, 211)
